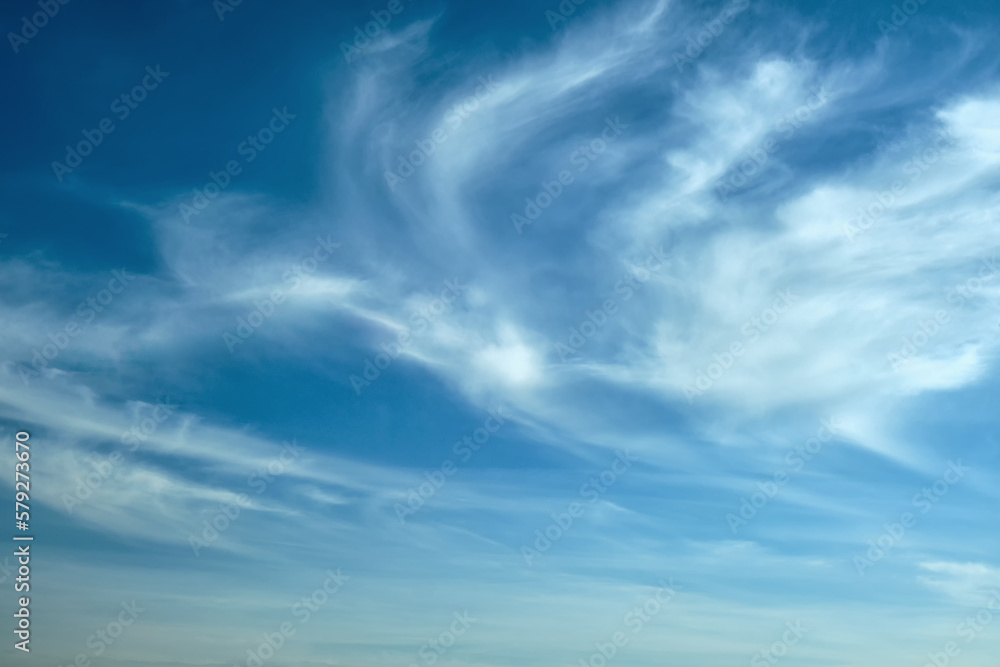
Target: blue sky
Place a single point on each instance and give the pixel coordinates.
(504, 336)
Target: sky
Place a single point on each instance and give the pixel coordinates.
(485, 334)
